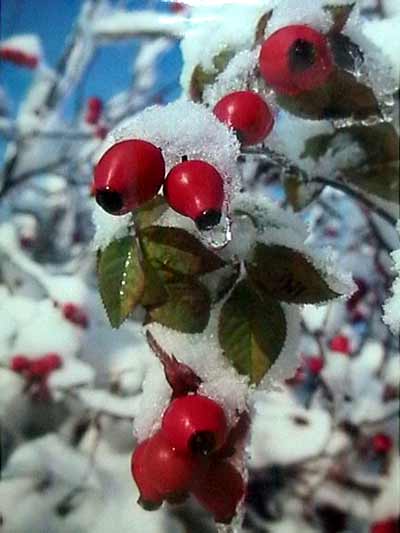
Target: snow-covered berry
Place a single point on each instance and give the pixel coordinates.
(219, 490)
(315, 364)
(19, 364)
(128, 175)
(341, 344)
(382, 443)
(149, 499)
(247, 113)
(295, 59)
(94, 108)
(195, 189)
(196, 424)
(75, 314)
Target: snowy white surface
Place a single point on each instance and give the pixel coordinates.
(28, 43)
(391, 315)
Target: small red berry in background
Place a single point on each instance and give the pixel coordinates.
(177, 7)
(340, 344)
(101, 132)
(19, 364)
(150, 498)
(391, 525)
(129, 174)
(315, 364)
(295, 59)
(220, 490)
(75, 314)
(195, 189)
(170, 471)
(94, 109)
(382, 443)
(18, 57)
(248, 114)
(196, 424)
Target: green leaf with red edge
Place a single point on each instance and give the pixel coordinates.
(150, 212)
(340, 15)
(187, 309)
(287, 275)
(178, 251)
(252, 331)
(121, 279)
(341, 97)
(202, 77)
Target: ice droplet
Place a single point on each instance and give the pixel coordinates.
(219, 236)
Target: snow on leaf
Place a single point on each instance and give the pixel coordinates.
(201, 77)
(174, 249)
(187, 308)
(287, 275)
(121, 279)
(252, 331)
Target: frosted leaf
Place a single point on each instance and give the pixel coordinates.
(278, 423)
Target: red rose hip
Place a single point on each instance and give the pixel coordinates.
(19, 364)
(195, 189)
(247, 113)
(195, 424)
(128, 175)
(150, 498)
(171, 472)
(295, 59)
(220, 490)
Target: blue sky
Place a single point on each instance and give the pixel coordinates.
(52, 20)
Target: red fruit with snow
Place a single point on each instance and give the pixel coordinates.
(195, 189)
(382, 443)
(150, 498)
(248, 114)
(75, 314)
(220, 490)
(315, 364)
(195, 424)
(170, 471)
(340, 344)
(295, 59)
(129, 174)
(94, 109)
(22, 50)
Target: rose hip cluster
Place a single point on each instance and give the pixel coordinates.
(36, 372)
(132, 172)
(189, 454)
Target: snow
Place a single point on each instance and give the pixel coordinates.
(391, 307)
(108, 227)
(285, 433)
(384, 34)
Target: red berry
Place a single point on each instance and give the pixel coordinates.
(170, 471)
(195, 423)
(387, 526)
(101, 132)
(247, 113)
(341, 344)
(129, 174)
(75, 314)
(195, 189)
(53, 361)
(315, 364)
(18, 57)
(220, 490)
(177, 7)
(295, 59)
(20, 363)
(93, 110)
(150, 498)
(382, 443)
(39, 368)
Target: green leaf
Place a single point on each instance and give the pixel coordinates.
(340, 15)
(187, 308)
(154, 292)
(201, 77)
(150, 212)
(298, 192)
(225, 283)
(341, 97)
(315, 147)
(121, 279)
(287, 275)
(175, 250)
(252, 331)
(379, 173)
